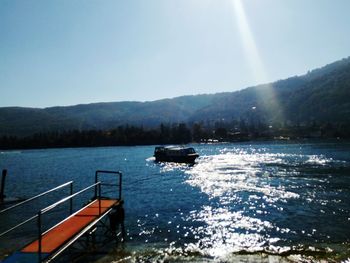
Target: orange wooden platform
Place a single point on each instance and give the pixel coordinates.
(67, 229)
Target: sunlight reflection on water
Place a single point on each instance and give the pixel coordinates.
(239, 202)
(247, 192)
(230, 172)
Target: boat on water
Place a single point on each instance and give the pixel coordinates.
(175, 154)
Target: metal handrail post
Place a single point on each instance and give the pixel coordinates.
(99, 199)
(71, 200)
(2, 189)
(96, 175)
(39, 236)
(120, 185)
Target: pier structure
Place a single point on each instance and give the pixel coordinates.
(2, 185)
(50, 243)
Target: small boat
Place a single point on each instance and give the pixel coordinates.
(175, 154)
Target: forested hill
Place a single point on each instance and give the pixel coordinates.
(322, 95)
(25, 121)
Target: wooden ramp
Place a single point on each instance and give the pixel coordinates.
(54, 241)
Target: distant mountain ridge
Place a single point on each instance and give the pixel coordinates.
(26, 121)
(322, 95)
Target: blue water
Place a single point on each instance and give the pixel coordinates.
(249, 201)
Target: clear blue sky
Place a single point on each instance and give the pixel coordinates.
(65, 52)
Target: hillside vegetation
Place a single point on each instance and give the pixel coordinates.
(321, 96)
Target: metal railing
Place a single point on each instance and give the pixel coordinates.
(52, 206)
(32, 199)
(97, 195)
(118, 184)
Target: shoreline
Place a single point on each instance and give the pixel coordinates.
(257, 140)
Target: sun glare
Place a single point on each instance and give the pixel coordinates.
(253, 57)
(248, 42)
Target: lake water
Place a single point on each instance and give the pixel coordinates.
(266, 201)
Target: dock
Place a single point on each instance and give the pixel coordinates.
(52, 242)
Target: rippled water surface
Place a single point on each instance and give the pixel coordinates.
(250, 202)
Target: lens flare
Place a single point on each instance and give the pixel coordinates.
(266, 93)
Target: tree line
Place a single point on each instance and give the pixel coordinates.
(120, 136)
(180, 133)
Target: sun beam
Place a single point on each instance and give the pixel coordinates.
(248, 42)
(255, 62)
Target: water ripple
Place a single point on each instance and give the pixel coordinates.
(253, 193)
